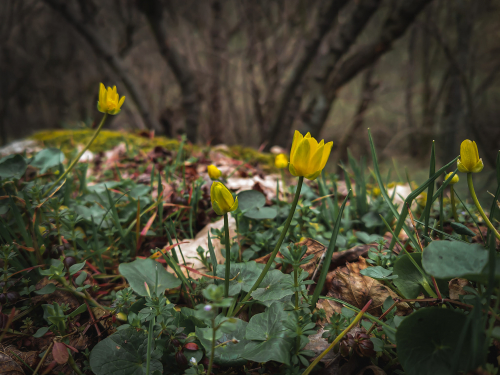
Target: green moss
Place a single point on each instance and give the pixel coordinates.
(67, 140)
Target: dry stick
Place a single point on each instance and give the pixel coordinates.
(9, 322)
(422, 249)
(382, 316)
(43, 358)
(339, 337)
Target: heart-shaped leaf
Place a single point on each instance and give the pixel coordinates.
(12, 166)
(144, 270)
(47, 158)
(242, 276)
(454, 259)
(249, 199)
(275, 286)
(261, 213)
(428, 341)
(123, 353)
(378, 273)
(268, 335)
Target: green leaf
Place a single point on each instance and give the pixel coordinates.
(269, 336)
(47, 289)
(47, 158)
(249, 199)
(261, 213)
(144, 270)
(242, 276)
(367, 238)
(378, 273)
(273, 287)
(229, 354)
(410, 281)
(427, 342)
(462, 229)
(76, 267)
(451, 259)
(12, 166)
(81, 278)
(123, 353)
(40, 332)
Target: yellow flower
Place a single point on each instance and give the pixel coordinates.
(376, 191)
(109, 101)
(308, 157)
(281, 161)
(469, 161)
(213, 172)
(454, 180)
(222, 199)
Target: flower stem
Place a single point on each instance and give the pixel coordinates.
(453, 207)
(276, 248)
(228, 256)
(296, 285)
(73, 163)
(478, 206)
(339, 337)
(210, 364)
(150, 342)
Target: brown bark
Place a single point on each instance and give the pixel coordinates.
(367, 95)
(323, 25)
(112, 60)
(393, 28)
(154, 12)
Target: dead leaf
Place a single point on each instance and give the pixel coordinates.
(318, 345)
(371, 370)
(350, 286)
(8, 366)
(456, 287)
(60, 353)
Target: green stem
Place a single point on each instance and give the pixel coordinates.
(277, 247)
(73, 163)
(283, 184)
(296, 285)
(150, 342)
(478, 206)
(209, 370)
(453, 207)
(73, 365)
(228, 256)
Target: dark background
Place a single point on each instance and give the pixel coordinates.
(251, 71)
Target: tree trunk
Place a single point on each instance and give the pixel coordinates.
(112, 60)
(393, 28)
(153, 10)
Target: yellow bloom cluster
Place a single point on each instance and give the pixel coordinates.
(308, 157)
(109, 100)
(281, 161)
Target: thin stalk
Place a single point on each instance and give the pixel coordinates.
(228, 256)
(73, 365)
(296, 285)
(210, 364)
(150, 341)
(339, 337)
(283, 184)
(276, 248)
(478, 206)
(43, 358)
(453, 206)
(73, 163)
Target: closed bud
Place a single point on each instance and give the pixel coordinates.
(109, 100)
(469, 161)
(454, 180)
(213, 172)
(222, 199)
(281, 161)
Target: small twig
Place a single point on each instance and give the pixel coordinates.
(44, 357)
(382, 316)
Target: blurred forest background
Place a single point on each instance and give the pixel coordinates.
(250, 71)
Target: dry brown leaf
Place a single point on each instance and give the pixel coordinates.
(313, 247)
(355, 289)
(456, 287)
(371, 370)
(8, 366)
